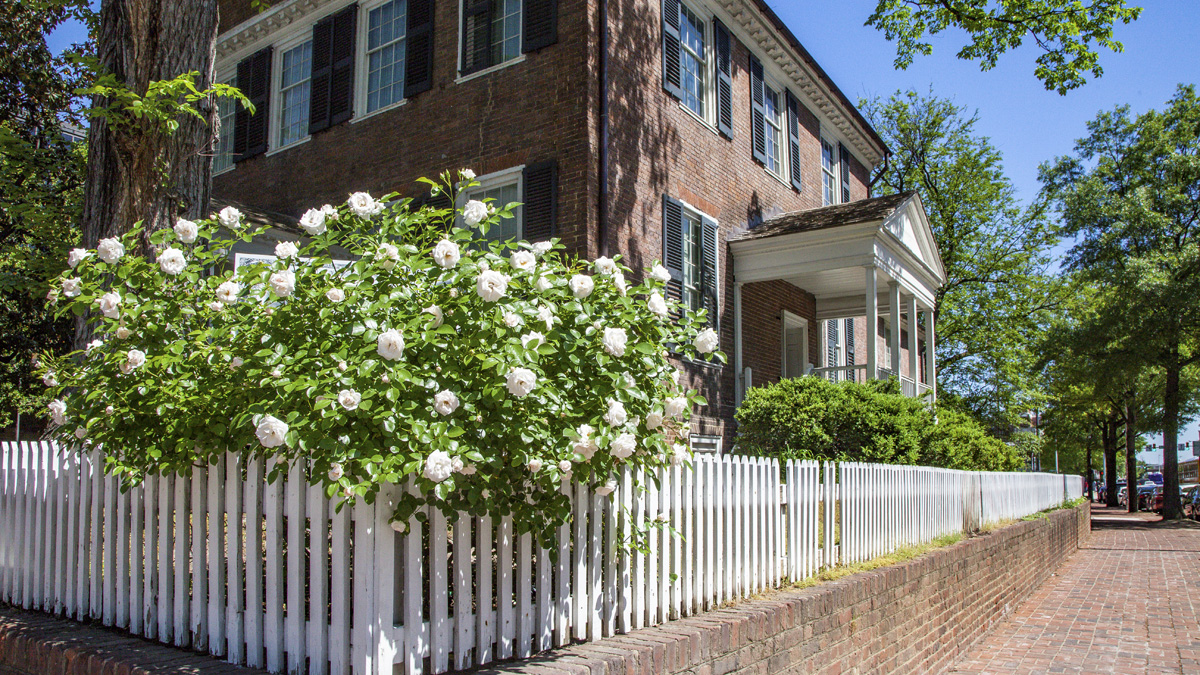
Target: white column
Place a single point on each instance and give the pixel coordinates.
(872, 302)
(739, 384)
(914, 362)
(894, 324)
(930, 353)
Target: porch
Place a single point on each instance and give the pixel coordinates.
(869, 271)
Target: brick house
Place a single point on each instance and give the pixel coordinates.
(698, 132)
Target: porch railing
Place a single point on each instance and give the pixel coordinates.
(858, 373)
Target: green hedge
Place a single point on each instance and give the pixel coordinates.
(813, 418)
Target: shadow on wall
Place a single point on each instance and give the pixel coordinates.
(642, 139)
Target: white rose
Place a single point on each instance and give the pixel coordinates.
(58, 411)
(657, 305)
(623, 446)
(363, 205)
(436, 312)
(172, 261)
(706, 341)
(474, 213)
(50, 380)
(271, 431)
(605, 265)
(77, 255)
(469, 470)
(542, 284)
(660, 273)
(336, 471)
(446, 254)
(186, 230)
(123, 332)
(283, 283)
(679, 453)
(230, 218)
(675, 406)
(541, 248)
(52, 296)
(330, 212)
(216, 306)
(512, 320)
(286, 249)
(349, 399)
(491, 285)
(445, 402)
(581, 285)
(614, 341)
(565, 466)
(467, 174)
(531, 340)
(235, 363)
(72, 287)
(135, 358)
(586, 447)
(654, 419)
(110, 250)
(438, 466)
(522, 261)
(335, 295)
(110, 305)
(390, 345)
(387, 255)
(457, 465)
(313, 222)
(521, 381)
(615, 416)
(108, 410)
(80, 433)
(277, 373)
(607, 488)
(228, 292)
(535, 465)
(619, 281)
(547, 315)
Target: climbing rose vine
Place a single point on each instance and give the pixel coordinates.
(388, 345)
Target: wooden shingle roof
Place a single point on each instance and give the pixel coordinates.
(839, 215)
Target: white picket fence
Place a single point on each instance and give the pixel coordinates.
(274, 576)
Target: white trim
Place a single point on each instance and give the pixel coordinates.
(784, 143)
(705, 14)
(717, 262)
(692, 113)
(790, 320)
(489, 70)
(459, 78)
(274, 123)
(713, 441)
(513, 175)
(228, 76)
(835, 167)
(366, 116)
(362, 65)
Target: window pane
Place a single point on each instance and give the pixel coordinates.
(691, 261)
(294, 92)
(692, 55)
(223, 149)
(501, 196)
(385, 54)
(774, 130)
(829, 192)
(506, 31)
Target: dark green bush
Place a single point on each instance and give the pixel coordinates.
(813, 418)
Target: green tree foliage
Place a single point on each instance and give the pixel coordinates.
(41, 180)
(1068, 33)
(1131, 198)
(813, 418)
(998, 288)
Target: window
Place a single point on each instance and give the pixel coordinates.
(690, 254)
(844, 162)
(506, 31)
(692, 292)
(693, 60)
(295, 68)
(828, 177)
(501, 195)
(226, 114)
(385, 54)
(495, 32)
(774, 131)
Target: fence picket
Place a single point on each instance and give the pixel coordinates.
(293, 623)
(234, 566)
(318, 582)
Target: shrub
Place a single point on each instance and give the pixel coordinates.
(488, 373)
(814, 418)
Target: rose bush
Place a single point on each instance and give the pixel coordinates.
(416, 360)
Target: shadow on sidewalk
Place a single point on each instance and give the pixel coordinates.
(1117, 518)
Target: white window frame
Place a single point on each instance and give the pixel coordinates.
(781, 109)
(275, 127)
(511, 176)
(707, 444)
(702, 216)
(362, 67)
(708, 93)
(227, 77)
(459, 77)
(834, 172)
(792, 321)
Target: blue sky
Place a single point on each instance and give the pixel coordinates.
(1027, 123)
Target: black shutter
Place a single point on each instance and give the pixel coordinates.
(844, 162)
(672, 236)
(250, 130)
(331, 100)
(672, 69)
(724, 78)
(793, 124)
(831, 339)
(540, 206)
(477, 35)
(849, 342)
(758, 111)
(539, 19)
(710, 284)
(418, 48)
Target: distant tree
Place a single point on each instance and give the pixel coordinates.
(1067, 32)
(998, 287)
(1131, 198)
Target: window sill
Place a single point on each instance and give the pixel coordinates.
(392, 106)
(489, 70)
(701, 120)
(289, 146)
(777, 177)
(224, 171)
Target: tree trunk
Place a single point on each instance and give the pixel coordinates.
(1130, 459)
(1109, 440)
(1172, 505)
(1090, 483)
(134, 171)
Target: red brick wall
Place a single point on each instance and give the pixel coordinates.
(860, 347)
(762, 327)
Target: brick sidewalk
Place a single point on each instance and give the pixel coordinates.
(1128, 602)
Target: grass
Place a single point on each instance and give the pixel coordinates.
(896, 557)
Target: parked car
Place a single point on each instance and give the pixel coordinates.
(1191, 503)
(1144, 494)
(1121, 496)
(1154, 500)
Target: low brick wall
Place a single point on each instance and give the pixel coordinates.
(911, 618)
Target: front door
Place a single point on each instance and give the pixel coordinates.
(795, 345)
